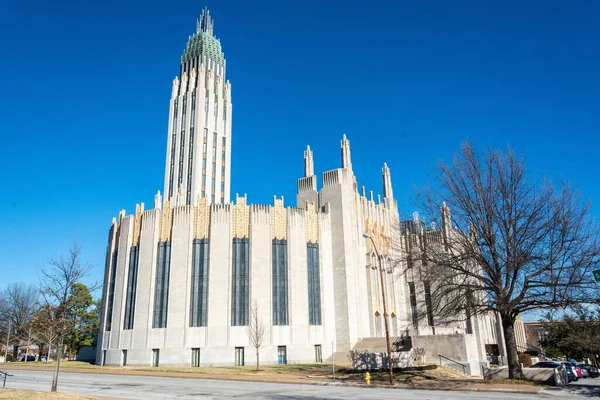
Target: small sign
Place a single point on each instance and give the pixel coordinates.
(596, 273)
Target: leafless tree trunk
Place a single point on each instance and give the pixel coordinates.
(57, 284)
(256, 332)
(511, 244)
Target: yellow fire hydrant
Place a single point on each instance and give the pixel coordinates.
(368, 378)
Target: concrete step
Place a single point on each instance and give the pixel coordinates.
(341, 357)
(372, 345)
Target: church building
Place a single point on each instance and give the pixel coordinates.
(183, 280)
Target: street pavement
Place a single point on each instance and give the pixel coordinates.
(583, 388)
(152, 387)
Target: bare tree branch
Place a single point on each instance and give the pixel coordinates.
(57, 283)
(256, 332)
(512, 244)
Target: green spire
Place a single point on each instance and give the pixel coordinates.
(204, 42)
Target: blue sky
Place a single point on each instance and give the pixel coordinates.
(85, 89)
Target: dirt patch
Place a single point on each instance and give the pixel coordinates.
(13, 394)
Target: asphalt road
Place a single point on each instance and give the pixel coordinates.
(149, 388)
(583, 388)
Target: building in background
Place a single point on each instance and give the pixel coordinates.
(182, 279)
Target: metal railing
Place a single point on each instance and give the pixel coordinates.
(5, 375)
(463, 366)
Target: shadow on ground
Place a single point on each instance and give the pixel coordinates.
(580, 389)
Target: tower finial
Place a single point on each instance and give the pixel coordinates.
(346, 162)
(204, 23)
(388, 193)
(309, 166)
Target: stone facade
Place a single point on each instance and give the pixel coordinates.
(181, 279)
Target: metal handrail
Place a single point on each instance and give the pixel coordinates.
(463, 366)
(5, 375)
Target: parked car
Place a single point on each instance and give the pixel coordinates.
(591, 369)
(30, 357)
(571, 374)
(576, 371)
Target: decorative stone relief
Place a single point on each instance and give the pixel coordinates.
(137, 224)
(380, 235)
(166, 222)
(193, 79)
(175, 88)
(201, 219)
(278, 219)
(241, 218)
(312, 224)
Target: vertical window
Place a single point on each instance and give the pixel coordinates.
(239, 356)
(281, 355)
(468, 321)
(196, 357)
(206, 108)
(318, 353)
(111, 291)
(155, 357)
(199, 295)
(124, 358)
(181, 151)
(280, 282)
(413, 304)
(173, 144)
(193, 108)
(223, 148)
(216, 112)
(314, 284)
(161, 290)
(183, 114)
(190, 165)
(428, 303)
(240, 283)
(131, 287)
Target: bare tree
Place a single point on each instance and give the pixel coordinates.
(43, 328)
(256, 332)
(512, 244)
(58, 282)
(18, 303)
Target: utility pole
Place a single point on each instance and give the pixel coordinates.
(333, 359)
(385, 313)
(28, 344)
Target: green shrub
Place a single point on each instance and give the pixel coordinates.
(525, 359)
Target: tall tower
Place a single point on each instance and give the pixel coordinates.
(198, 161)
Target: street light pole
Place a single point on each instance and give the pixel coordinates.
(385, 313)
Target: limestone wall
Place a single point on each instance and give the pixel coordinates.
(217, 341)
